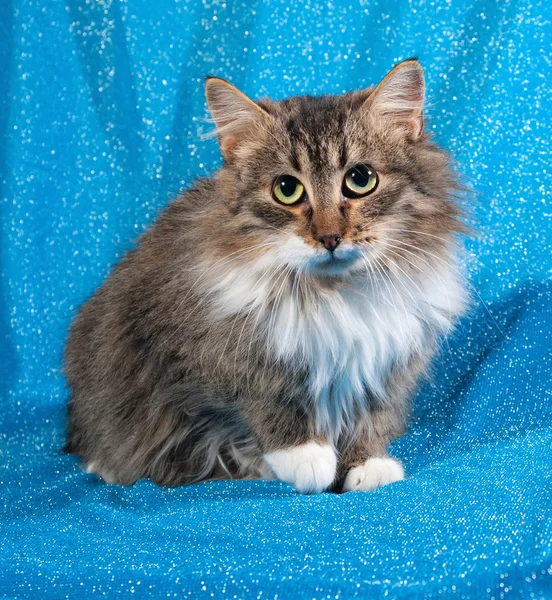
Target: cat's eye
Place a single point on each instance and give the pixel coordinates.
(288, 190)
(359, 181)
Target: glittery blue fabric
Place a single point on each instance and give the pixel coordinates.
(101, 116)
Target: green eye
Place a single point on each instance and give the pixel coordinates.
(359, 181)
(288, 190)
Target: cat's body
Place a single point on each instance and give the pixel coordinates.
(247, 337)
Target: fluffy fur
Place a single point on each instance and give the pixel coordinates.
(231, 343)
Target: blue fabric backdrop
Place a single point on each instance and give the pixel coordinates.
(101, 116)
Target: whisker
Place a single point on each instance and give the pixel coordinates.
(468, 282)
(435, 312)
(416, 303)
(381, 269)
(438, 237)
(380, 292)
(443, 285)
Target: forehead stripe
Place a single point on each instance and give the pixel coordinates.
(343, 158)
(294, 160)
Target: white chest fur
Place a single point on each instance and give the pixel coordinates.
(346, 336)
(348, 339)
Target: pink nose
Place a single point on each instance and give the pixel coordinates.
(330, 242)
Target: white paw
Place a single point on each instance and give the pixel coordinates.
(310, 467)
(374, 473)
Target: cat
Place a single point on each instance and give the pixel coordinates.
(276, 318)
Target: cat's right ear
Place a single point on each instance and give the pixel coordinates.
(236, 116)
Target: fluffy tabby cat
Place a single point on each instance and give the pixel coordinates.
(275, 318)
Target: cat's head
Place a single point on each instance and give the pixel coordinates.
(334, 184)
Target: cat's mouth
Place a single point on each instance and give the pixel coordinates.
(335, 263)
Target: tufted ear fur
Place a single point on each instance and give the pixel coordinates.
(399, 98)
(236, 116)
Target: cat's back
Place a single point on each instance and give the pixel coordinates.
(136, 303)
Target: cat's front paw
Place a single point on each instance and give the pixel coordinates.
(374, 473)
(310, 468)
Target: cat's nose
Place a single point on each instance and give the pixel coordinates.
(330, 242)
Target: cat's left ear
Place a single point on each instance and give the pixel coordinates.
(399, 98)
(236, 116)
